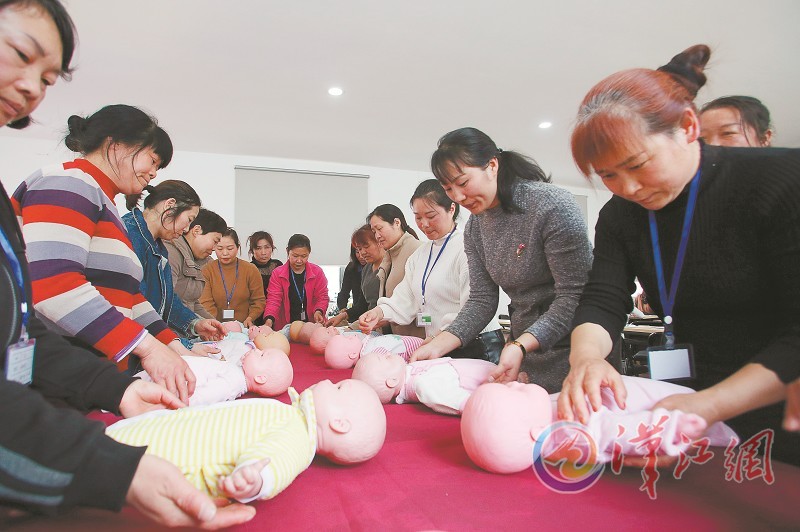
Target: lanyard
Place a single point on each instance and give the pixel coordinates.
(229, 295)
(425, 274)
(668, 300)
(296, 289)
(16, 267)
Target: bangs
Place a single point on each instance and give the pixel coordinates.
(162, 145)
(443, 165)
(610, 135)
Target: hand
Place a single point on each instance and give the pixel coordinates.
(319, 317)
(370, 319)
(162, 494)
(336, 320)
(142, 396)
(248, 322)
(508, 366)
(426, 351)
(166, 367)
(791, 419)
(245, 482)
(210, 330)
(585, 378)
(204, 350)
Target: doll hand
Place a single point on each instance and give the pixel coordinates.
(791, 419)
(208, 329)
(369, 320)
(142, 396)
(508, 365)
(584, 381)
(245, 482)
(204, 350)
(248, 322)
(336, 320)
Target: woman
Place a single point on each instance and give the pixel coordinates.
(400, 241)
(436, 281)
(87, 275)
(351, 280)
(189, 253)
(261, 247)
(298, 290)
(368, 250)
(233, 289)
(169, 208)
(525, 236)
(736, 121)
(736, 296)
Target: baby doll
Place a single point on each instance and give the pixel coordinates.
(254, 448)
(344, 350)
(442, 384)
(320, 338)
(501, 424)
(265, 372)
(264, 337)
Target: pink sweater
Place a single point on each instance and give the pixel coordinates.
(278, 294)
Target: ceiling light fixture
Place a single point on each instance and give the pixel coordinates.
(545, 125)
(335, 91)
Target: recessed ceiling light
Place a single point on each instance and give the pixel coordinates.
(335, 91)
(545, 125)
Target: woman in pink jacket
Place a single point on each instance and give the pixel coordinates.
(298, 290)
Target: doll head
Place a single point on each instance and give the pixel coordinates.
(342, 351)
(232, 326)
(320, 337)
(255, 330)
(383, 372)
(268, 372)
(308, 328)
(273, 339)
(294, 330)
(351, 422)
(500, 424)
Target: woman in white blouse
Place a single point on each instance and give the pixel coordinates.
(436, 281)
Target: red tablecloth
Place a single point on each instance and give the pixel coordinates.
(423, 480)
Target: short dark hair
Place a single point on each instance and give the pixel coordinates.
(209, 222)
(259, 235)
(752, 113)
(298, 241)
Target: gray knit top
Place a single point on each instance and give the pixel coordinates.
(540, 258)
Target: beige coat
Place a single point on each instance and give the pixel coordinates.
(187, 275)
(392, 270)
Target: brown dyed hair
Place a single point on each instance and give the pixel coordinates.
(633, 104)
(363, 236)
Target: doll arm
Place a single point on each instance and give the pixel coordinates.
(245, 483)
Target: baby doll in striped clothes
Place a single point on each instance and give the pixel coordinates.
(344, 350)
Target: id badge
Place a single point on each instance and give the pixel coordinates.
(423, 319)
(303, 315)
(19, 361)
(667, 364)
(227, 314)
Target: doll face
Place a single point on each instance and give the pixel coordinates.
(227, 250)
(383, 372)
(268, 372)
(262, 251)
(343, 351)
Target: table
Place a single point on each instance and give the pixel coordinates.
(423, 480)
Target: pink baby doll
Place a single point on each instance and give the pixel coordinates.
(501, 424)
(344, 350)
(267, 373)
(308, 328)
(254, 448)
(442, 384)
(264, 338)
(320, 338)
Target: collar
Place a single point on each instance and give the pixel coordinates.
(108, 187)
(305, 403)
(141, 225)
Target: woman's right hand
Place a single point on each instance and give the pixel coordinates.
(585, 378)
(166, 367)
(369, 320)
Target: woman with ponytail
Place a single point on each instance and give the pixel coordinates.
(525, 236)
(712, 233)
(86, 276)
(169, 208)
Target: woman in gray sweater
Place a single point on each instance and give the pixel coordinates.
(525, 236)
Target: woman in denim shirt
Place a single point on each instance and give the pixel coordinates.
(168, 211)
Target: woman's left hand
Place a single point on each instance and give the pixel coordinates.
(210, 330)
(319, 317)
(142, 396)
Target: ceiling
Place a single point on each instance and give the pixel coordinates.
(251, 76)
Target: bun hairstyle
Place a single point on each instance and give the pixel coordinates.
(66, 32)
(121, 123)
(471, 147)
(184, 195)
(389, 213)
(630, 105)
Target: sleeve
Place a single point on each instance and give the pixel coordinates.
(462, 272)
(207, 297)
(274, 298)
(402, 307)
(180, 317)
(58, 228)
(256, 286)
(439, 389)
(349, 280)
(484, 294)
(54, 459)
(568, 254)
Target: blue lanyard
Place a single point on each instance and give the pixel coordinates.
(668, 301)
(425, 274)
(296, 289)
(16, 267)
(229, 295)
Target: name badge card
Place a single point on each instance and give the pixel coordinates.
(19, 361)
(424, 320)
(227, 314)
(668, 364)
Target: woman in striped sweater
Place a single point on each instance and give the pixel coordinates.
(84, 271)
